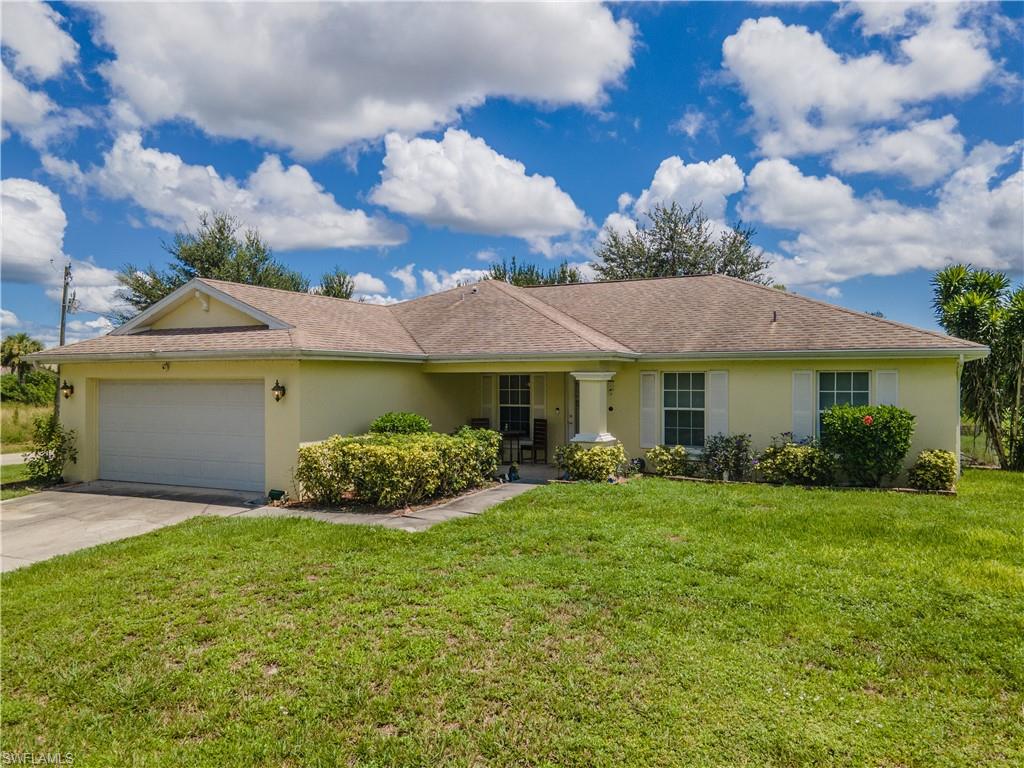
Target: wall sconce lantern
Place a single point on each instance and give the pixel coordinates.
(67, 389)
(278, 390)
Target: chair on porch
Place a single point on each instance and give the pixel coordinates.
(539, 443)
(482, 423)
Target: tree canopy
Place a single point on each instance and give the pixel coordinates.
(980, 305)
(219, 249)
(530, 274)
(337, 283)
(13, 351)
(678, 242)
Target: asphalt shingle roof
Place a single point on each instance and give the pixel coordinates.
(709, 314)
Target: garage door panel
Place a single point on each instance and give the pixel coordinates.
(207, 434)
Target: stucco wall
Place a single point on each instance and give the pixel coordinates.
(191, 314)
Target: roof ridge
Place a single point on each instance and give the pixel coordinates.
(306, 294)
(854, 312)
(597, 339)
(620, 280)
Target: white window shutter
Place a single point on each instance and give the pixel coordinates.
(717, 404)
(648, 409)
(803, 405)
(538, 395)
(887, 387)
(487, 398)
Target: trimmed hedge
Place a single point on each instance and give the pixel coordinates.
(400, 423)
(934, 471)
(669, 460)
(869, 442)
(392, 470)
(789, 463)
(597, 463)
(726, 453)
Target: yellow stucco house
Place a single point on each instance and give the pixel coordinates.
(218, 384)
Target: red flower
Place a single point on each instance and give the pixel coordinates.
(869, 420)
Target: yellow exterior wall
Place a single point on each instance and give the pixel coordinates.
(190, 314)
(343, 397)
(761, 404)
(281, 419)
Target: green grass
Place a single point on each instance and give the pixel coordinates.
(16, 425)
(648, 624)
(15, 473)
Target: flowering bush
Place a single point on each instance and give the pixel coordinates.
(869, 442)
(787, 462)
(934, 471)
(391, 470)
(669, 460)
(597, 463)
(52, 448)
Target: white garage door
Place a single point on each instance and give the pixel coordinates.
(203, 433)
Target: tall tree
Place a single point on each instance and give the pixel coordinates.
(337, 283)
(979, 305)
(13, 351)
(530, 274)
(679, 242)
(218, 250)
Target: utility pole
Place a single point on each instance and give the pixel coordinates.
(63, 326)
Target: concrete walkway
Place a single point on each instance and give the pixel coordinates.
(12, 458)
(418, 520)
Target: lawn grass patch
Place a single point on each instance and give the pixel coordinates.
(650, 623)
(14, 481)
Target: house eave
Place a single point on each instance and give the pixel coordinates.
(974, 353)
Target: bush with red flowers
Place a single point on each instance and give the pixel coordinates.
(869, 442)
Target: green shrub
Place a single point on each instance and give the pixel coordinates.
(723, 454)
(869, 442)
(934, 471)
(52, 448)
(596, 463)
(788, 463)
(391, 470)
(400, 423)
(38, 388)
(669, 460)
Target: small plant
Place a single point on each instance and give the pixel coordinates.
(597, 463)
(788, 463)
(52, 448)
(934, 471)
(669, 460)
(400, 423)
(869, 442)
(726, 457)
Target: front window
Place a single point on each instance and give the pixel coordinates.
(514, 403)
(683, 402)
(841, 388)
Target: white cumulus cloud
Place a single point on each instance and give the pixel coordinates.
(807, 98)
(461, 183)
(315, 77)
(442, 280)
(32, 31)
(978, 218)
(923, 152)
(8, 320)
(407, 277)
(290, 209)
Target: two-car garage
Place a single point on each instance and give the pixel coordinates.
(208, 434)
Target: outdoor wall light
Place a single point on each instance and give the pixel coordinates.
(278, 390)
(67, 389)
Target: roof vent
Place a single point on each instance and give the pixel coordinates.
(775, 315)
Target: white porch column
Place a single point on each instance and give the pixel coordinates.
(593, 416)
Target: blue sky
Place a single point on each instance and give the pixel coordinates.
(869, 144)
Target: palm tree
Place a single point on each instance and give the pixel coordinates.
(978, 305)
(14, 350)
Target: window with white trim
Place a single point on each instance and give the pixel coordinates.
(682, 401)
(514, 403)
(842, 388)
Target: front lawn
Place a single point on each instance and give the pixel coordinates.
(14, 481)
(651, 623)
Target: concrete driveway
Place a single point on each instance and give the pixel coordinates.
(55, 522)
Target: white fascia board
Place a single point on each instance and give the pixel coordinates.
(801, 354)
